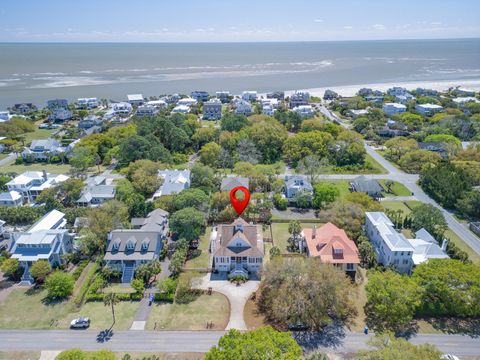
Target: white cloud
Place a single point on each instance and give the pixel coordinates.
(378, 26)
(318, 20)
(436, 23)
(348, 27)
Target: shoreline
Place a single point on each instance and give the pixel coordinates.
(351, 90)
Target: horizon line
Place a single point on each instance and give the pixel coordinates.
(234, 42)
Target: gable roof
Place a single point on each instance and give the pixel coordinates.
(297, 181)
(394, 240)
(123, 236)
(369, 186)
(228, 183)
(323, 242)
(251, 234)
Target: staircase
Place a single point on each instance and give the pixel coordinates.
(127, 275)
(27, 278)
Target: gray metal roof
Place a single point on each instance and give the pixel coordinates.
(228, 183)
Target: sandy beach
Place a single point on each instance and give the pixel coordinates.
(351, 90)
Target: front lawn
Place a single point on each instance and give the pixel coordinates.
(281, 234)
(50, 168)
(396, 205)
(341, 185)
(193, 316)
(397, 188)
(27, 309)
(201, 261)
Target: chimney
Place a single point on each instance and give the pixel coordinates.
(444, 245)
(314, 231)
(44, 175)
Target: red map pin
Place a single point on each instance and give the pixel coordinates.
(239, 205)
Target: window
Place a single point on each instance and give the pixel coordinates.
(130, 244)
(116, 245)
(338, 251)
(350, 267)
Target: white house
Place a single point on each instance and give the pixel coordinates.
(187, 101)
(238, 248)
(174, 181)
(44, 149)
(11, 198)
(459, 91)
(391, 248)
(135, 99)
(249, 95)
(461, 101)
(305, 111)
(31, 183)
(146, 110)
(243, 107)
(60, 114)
(426, 247)
(393, 108)
(182, 109)
(87, 103)
(159, 104)
(403, 99)
(4, 116)
(268, 110)
(122, 108)
(428, 109)
(45, 240)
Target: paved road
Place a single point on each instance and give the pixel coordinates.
(8, 159)
(410, 181)
(193, 341)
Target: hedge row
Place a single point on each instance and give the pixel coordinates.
(122, 297)
(78, 271)
(89, 278)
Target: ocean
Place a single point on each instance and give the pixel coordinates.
(37, 72)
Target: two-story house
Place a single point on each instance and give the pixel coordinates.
(127, 249)
(238, 248)
(97, 190)
(391, 248)
(212, 110)
(174, 181)
(31, 183)
(332, 246)
(42, 150)
(45, 240)
(295, 184)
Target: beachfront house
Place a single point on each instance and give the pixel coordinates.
(135, 99)
(121, 108)
(127, 249)
(305, 111)
(146, 110)
(332, 246)
(174, 181)
(223, 96)
(428, 109)
(98, 189)
(391, 248)
(159, 104)
(11, 198)
(249, 95)
(279, 95)
(87, 103)
(238, 248)
(47, 240)
(182, 109)
(89, 122)
(299, 98)
(187, 102)
(212, 110)
(57, 103)
(459, 91)
(200, 95)
(393, 108)
(31, 183)
(243, 107)
(60, 115)
(23, 108)
(367, 186)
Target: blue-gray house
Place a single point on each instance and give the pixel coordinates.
(296, 183)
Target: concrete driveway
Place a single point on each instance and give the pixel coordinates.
(237, 296)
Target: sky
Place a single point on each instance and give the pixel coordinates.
(230, 21)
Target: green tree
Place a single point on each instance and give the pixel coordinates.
(146, 271)
(268, 137)
(324, 194)
(389, 347)
(313, 165)
(399, 146)
(302, 199)
(305, 291)
(469, 204)
(138, 285)
(188, 223)
(366, 252)
(167, 286)
(192, 197)
(274, 252)
(443, 138)
(304, 144)
(431, 218)
(81, 158)
(40, 269)
(414, 161)
(59, 284)
(210, 154)
(231, 122)
(203, 177)
(392, 300)
(451, 288)
(143, 174)
(72, 354)
(111, 299)
(264, 344)
(10, 267)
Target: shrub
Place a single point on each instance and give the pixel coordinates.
(280, 202)
(185, 294)
(138, 285)
(78, 271)
(40, 269)
(10, 268)
(167, 289)
(59, 284)
(86, 284)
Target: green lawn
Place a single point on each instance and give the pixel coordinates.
(462, 245)
(38, 134)
(193, 316)
(19, 355)
(396, 205)
(27, 309)
(397, 188)
(341, 185)
(51, 168)
(203, 260)
(281, 234)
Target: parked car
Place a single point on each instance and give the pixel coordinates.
(80, 323)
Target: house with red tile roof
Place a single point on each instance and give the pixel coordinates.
(331, 245)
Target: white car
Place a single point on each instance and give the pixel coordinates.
(80, 323)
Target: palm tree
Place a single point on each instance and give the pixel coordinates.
(111, 299)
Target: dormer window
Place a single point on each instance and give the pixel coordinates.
(238, 227)
(116, 244)
(145, 244)
(338, 251)
(130, 244)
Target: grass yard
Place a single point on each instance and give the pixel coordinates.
(38, 134)
(26, 309)
(396, 205)
(51, 168)
(159, 356)
(19, 355)
(462, 245)
(341, 185)
(398, 189)
(281, 234)
(203, 260)
(193, 316)
(377, 168)
(252, 318)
